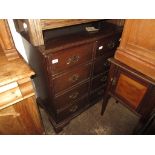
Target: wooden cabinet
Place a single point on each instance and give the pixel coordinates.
(18, 109)
(21, 118)
(137, 48)
(70, 69)
(131, 90)
(130, 87)
(132, 72)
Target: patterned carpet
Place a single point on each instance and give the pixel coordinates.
(117, 120)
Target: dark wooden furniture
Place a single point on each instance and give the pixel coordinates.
(18, 109)
(131, 78)
(71, 71)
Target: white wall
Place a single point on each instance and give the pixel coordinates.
(17, 39)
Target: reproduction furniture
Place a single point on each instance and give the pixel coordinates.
(18, 109)
(71, 69)
(132, 74)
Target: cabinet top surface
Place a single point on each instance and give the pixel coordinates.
(82, 37)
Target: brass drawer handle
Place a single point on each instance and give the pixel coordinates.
(73, 59)
(111, 45)
(74, 95)
(103, 79)
(74, 78)
(74, 108)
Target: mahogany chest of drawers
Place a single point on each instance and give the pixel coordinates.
(71, 72)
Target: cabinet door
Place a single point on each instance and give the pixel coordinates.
(129, 88)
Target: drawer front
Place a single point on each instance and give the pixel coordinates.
(99, 81)
(96, 94)
(69, 79)
(101, 66)
(72, 110)
(67, 99)
(105, 45)
(70, 57)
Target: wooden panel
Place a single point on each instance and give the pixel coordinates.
(5, 36)
(31, 30)
(55, 23)
(137, 48)
(6, 41)
(35, 32)
(10, 97)
(70, 57)
(130, 90)
(144, 38)
(10, 70)
(15, 92)
(21, 118)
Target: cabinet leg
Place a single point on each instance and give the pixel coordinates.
(104, 103)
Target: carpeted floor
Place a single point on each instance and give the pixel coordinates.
(117, 120)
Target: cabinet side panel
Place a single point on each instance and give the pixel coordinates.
(130, 90)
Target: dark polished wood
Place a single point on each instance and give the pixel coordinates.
(71, 78)
(70, 69)
(101, 65)
(99, 80)
(70, 57)
(66, 99)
